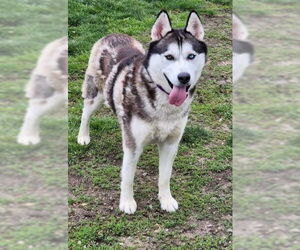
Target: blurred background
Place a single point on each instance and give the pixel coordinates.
(266, 123)
(33, 178)
(33, 186)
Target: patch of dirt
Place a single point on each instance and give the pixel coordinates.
(246, 227)
(147, 176)
(211, 24)
(28, 201)
(202, 228)
(270, 218)
(283, 182)
(104, 202)
(136, 243)
(254, 227)
(220, 181)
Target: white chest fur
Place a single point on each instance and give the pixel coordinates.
(158, 130)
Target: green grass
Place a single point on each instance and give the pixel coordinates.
(266, 129)
(202, 171)
(33, 179)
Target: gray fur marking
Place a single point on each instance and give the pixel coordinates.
(91, 88)
(62, 62)
(42, 87)
(128, 136)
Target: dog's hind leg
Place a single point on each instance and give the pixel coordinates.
(90, 106)
(93, 97)
(93, 86)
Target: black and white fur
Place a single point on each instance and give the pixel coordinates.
(136, 86)
(243, 51)
(47, 89)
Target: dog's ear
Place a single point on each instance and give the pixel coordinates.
(161, 26)
(194, 26)
(239, 30)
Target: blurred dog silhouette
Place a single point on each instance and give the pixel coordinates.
(46, 89)
(243, 51)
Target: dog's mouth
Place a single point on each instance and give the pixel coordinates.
(172, 85)
(178, 94)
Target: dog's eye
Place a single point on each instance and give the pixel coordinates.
(170, 57)
(191, 56)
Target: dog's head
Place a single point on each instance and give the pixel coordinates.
(176, 57)
(243, 51)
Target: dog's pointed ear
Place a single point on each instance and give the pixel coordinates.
(239, 30)
(161, 26)
(194, 26)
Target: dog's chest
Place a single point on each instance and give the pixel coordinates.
(158, 130)
(166, 123)
(162, 130)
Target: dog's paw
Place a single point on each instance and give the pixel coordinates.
(128, 206)
(83, 140)
(169, 204)
(28, 139)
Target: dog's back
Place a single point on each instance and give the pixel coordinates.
(106, 53)
(50, 73)
(115, 48)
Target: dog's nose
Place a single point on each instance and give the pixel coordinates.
(184, 77)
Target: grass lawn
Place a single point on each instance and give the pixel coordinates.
(33, 185)
(266, 129)
(202, 177)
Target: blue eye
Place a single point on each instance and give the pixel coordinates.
(169, 57)
(191, 56)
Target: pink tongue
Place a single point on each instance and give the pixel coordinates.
(177, 96)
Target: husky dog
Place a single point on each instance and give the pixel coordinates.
(46, 89)
(149, 92)
(243, 51)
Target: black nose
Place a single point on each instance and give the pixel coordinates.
(184, 77)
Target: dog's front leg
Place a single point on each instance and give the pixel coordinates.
(130, 159)
(167, 154)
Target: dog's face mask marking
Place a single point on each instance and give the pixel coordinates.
(182, 65)
(176, 57)
(242, 49)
